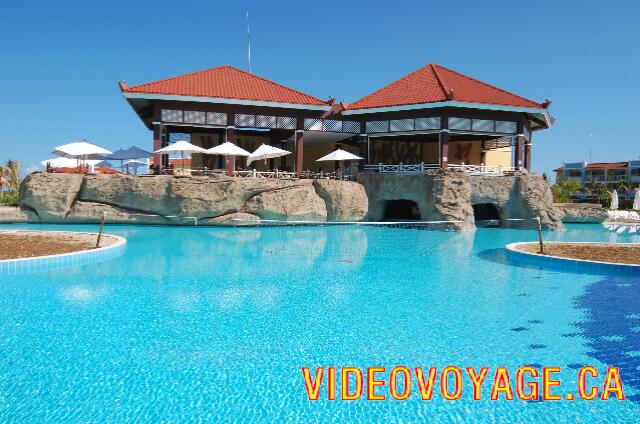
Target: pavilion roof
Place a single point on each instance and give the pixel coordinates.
(434, 83)
(226, 82)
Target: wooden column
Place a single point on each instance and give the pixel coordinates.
(283, 159)
(231, 160)
(527, 156)
(444, 148)
(363, 145)
(273, 141)
(157, 144)
(299, 151)
(444, 142)
(519, 154)
(518, 161)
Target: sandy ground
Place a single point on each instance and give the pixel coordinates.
(620, 253)
(27, 244)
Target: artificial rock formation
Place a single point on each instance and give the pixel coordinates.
(450, 195)
(519, 199)
(439, 195)
(215, 200)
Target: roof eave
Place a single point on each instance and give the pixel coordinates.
(542, 112)
(149, 96)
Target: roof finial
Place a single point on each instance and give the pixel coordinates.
(248, 43)
(450, 94)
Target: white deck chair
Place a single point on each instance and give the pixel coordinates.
(622, 229)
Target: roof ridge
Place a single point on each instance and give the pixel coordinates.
(397, 80)
(441, 83)
(276, 83)
(488, 85)
(147, 84)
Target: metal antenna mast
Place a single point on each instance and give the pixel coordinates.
(248, 43)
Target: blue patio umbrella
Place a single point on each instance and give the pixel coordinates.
(132, 152)
(105, 164)
(135, 164)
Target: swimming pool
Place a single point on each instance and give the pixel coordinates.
(216, 323)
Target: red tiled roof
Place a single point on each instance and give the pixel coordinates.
(226, 82)
(608, 165)
(601, 165)
(435, 83)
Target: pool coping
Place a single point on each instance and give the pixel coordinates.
(574, 265)
(38, 263)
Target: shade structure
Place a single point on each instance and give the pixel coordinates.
(105, 164)
(181, 147)
(132, 152)
(339, 155)
(135, 164)
(614, 200)
(636, 199)
(227, 149)
(65, 162)
(266, 152)
(82, 150)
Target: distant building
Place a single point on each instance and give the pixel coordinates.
(609, 174)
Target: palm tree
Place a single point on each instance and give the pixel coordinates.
(13, 167)
(10, 176)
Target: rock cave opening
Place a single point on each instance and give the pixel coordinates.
(401, 210)
(486, 215)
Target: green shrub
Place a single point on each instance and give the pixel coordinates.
(10, 199)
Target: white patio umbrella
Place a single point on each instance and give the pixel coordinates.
(65, 162)
(227, 149)
(339, 155)
(636, 199)
(181, 147)
(81, 150)
(266, 152)
(614, 200)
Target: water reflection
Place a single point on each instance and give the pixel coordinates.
(83, 294)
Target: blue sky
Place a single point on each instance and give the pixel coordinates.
(60, 61)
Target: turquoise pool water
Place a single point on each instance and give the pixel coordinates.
(215, 324)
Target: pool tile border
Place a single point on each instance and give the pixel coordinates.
(573, 265)
(41, 263)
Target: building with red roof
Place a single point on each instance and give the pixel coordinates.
(433, 117)
(608, 174)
